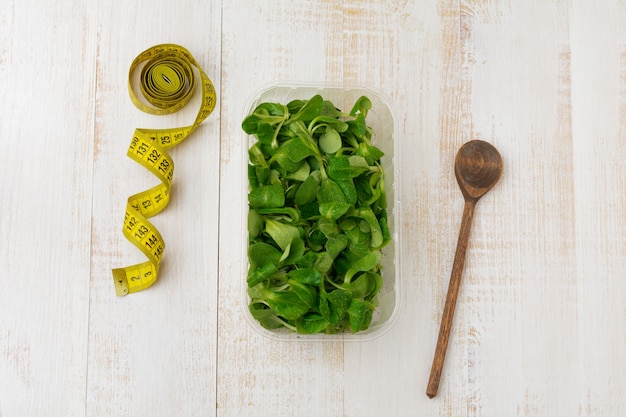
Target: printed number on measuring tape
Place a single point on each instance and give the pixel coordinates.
(167, 83)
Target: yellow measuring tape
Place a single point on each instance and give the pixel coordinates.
(167, 84)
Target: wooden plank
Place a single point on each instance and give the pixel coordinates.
(258, 376)
(154, 352)
(416, 49)
(46, 159)
(598, 41)
(520, 328)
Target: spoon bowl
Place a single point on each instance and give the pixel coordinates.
(477, 167)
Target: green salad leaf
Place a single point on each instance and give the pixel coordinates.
(317, 218)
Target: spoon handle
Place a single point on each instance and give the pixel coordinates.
(453, 291)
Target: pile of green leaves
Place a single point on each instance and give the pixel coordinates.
(317, 216)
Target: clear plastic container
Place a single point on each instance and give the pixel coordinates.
(384, 135)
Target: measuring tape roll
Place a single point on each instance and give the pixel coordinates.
(167, 83)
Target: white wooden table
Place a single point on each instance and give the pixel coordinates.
(540, 326)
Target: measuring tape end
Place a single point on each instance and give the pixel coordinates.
(121, 283)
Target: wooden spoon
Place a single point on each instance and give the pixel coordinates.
(478, 167)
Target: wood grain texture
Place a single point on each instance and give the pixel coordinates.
(540, 323)
(599, 121)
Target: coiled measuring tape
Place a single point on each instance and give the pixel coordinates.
(167, 84)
